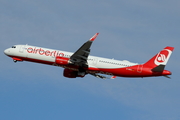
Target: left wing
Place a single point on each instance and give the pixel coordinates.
(80, 57)
(101, 76)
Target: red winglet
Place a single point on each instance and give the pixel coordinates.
(113, 77)
(94, 37)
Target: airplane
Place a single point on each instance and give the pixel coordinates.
(80, 63)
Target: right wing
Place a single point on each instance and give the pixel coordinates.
(80, 57)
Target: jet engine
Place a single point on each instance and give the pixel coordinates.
(73, 74)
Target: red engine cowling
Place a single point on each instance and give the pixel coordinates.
(61, 60)
(70, 73)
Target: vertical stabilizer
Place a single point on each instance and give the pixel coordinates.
(160, 59)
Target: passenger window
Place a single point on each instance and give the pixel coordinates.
(13, 46)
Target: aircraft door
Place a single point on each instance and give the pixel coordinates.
(22, 51)
(95, 61)
(22, 48)
(139, 69)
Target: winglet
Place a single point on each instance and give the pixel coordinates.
(94, 37)
(113, 77)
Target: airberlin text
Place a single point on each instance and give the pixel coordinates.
(41, 51)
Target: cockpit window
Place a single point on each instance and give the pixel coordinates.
(13, 46)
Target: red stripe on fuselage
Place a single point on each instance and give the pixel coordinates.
(34, 60)
(132, 71)
(123, 72)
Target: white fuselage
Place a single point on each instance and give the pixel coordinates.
(93, 65)
(29, 53)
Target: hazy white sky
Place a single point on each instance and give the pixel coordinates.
(132, 30)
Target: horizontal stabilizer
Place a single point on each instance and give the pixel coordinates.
(167, 76)
(159, 68)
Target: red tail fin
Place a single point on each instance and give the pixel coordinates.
(161, 58)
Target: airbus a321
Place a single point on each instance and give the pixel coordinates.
(80, 63)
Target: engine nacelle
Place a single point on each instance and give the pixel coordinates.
(62, 60)
(70, 73)
(73, 74)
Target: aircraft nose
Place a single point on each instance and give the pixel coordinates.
(6, 52)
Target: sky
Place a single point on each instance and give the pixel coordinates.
(129, 30)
